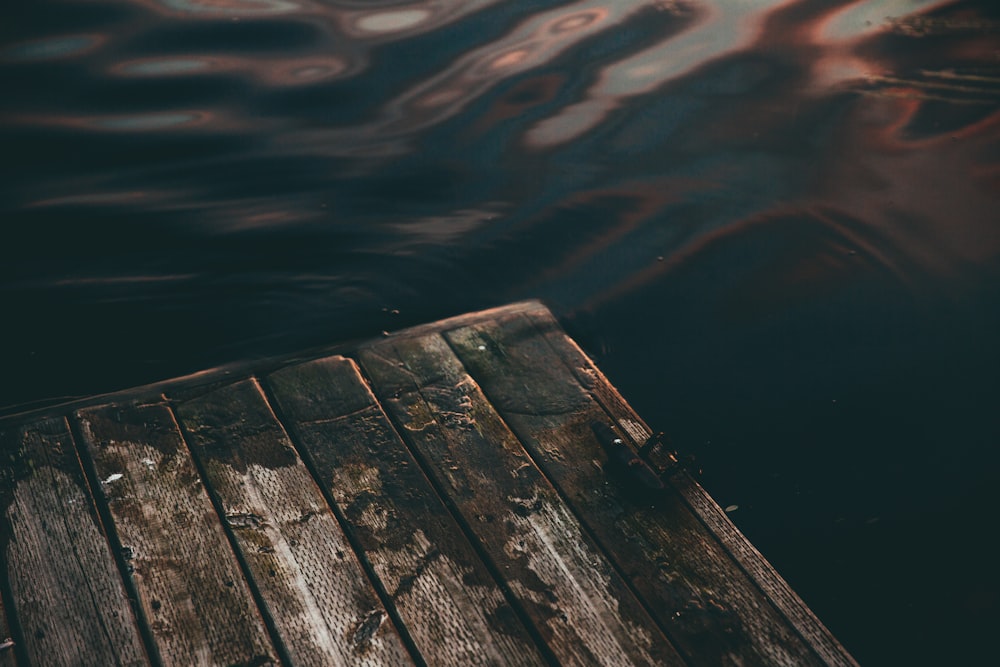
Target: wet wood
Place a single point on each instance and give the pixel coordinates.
(471, 517)
(452, 608)
(190, 586)
(776, 589)
(689, 581)
(69, 595)
(576, 600)
(323, 607)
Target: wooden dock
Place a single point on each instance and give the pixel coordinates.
(438, 496)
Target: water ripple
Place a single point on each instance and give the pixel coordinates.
(51, 48)
(586, 139)
(227, 8)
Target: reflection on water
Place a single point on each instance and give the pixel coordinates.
(164, 66)
(774, 222)
(149, 121)
(227, 8)
(50, 48)
(537, 40)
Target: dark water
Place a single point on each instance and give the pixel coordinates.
(774, 224)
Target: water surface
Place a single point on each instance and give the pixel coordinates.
(773, 223)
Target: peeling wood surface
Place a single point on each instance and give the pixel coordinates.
(283, 514)
(575, 599)
(192, 592)
(323, 607)
(69, 595)
(449, 603)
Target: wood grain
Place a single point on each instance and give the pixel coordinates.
(711, 610)
(322, 605)
(579, 604)
(189, 582)
(749, 558)
(451, 607)
(68, 594)
(488, 527)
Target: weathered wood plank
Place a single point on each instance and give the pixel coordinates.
(189, 582)
(68, 594)
(751, 560)
(452, 608)
(712, 593)
(323, 607)
(714, 614)
(577, 601)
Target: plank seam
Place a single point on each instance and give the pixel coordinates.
(213, 496)
(352, 539)
(117, 553)
(480, 551)
(580, 518)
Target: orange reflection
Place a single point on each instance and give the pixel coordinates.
(394, 22)
(864, 18)
(717, 29)
(148, 121)
(906, 188)
(303, 71)
(535, 41)
(838, 34)
(825, 36)
(521, 97)
(884, 203)
(272, 71)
